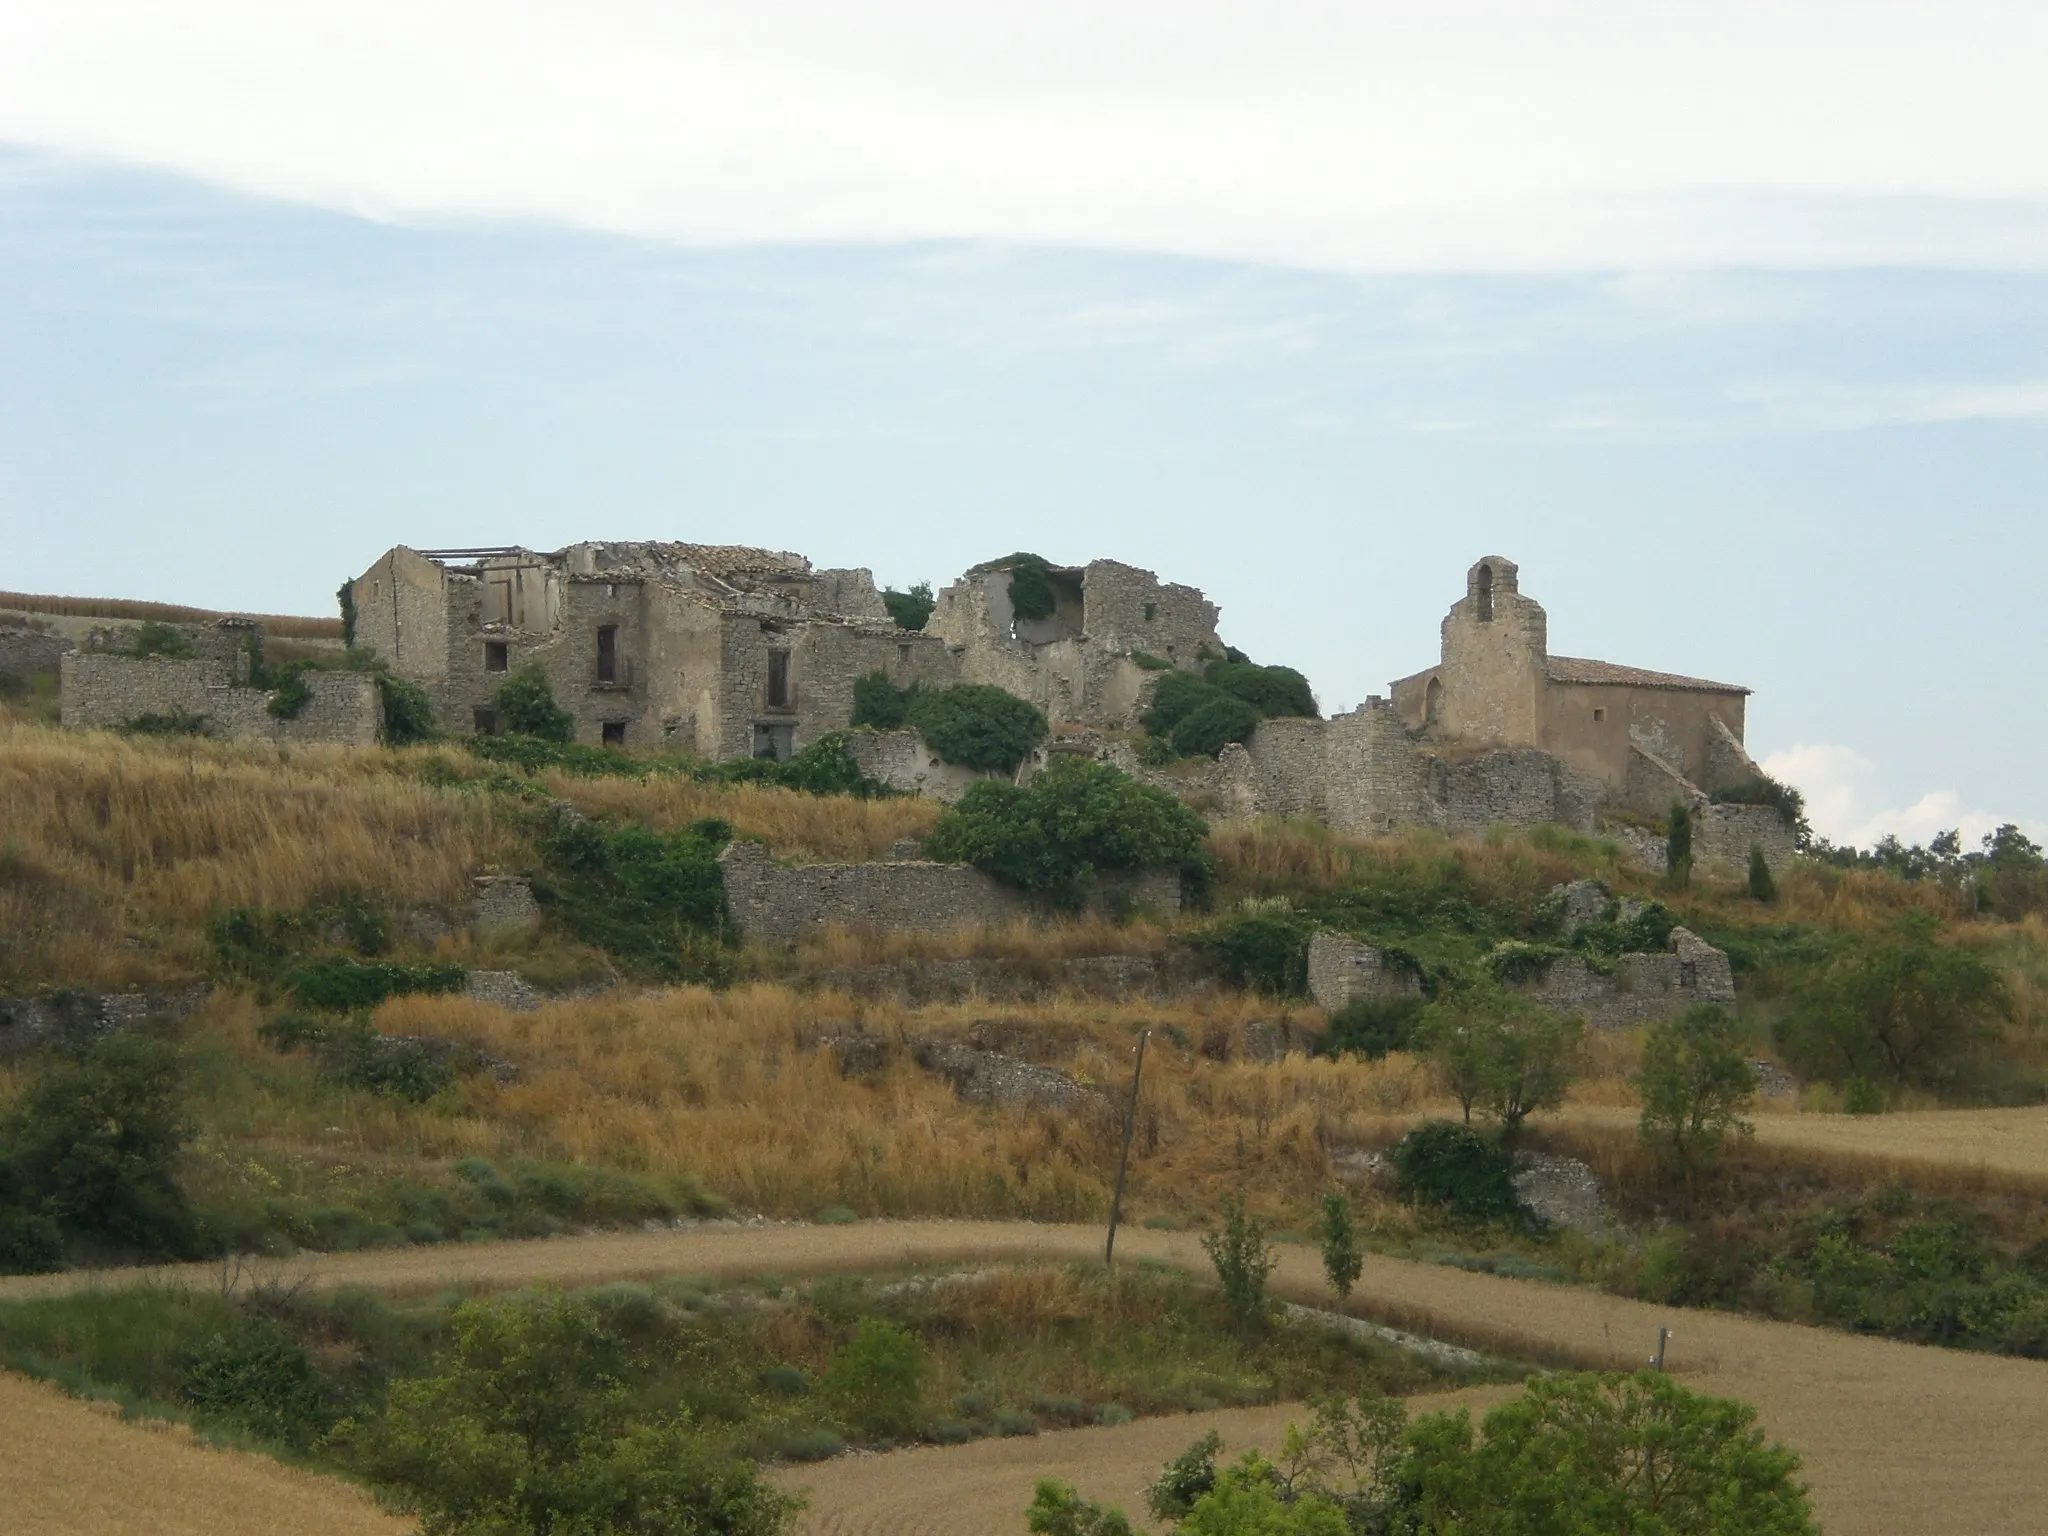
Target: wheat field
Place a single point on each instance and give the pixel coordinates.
(73, 1468)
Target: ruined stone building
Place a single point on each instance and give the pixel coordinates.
(719, 650)
(733, 652)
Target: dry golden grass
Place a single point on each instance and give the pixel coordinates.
(70, 1468)
(811, 828)
(115, 852)
(295, 626)
(1021, 943)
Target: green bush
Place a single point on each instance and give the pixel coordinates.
(259, 1378)
(93, 1147)
(345, 600)
(1260, 952)
(910, 609)
(977, 726)
(1368, 1028)
(174, 722)
(1054, 834)
(879, 704)
(407, 714)
(1762, 886)
(1454, 1166)
(526, 706)
(1694, 1085)
(877, 1377)
(652, 901)
(1211, 726)
(1678, 844)
(1031, 593)
(1272, 691)
(155, 638)
(290, 693)
(1765, 790)
(352, 986)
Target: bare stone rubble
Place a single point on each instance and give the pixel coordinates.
(985, 1077)
(1562, 1191)
(504, 906)
(41, 1019)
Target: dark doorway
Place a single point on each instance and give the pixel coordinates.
(778, 679)
(486, 721)
(497, 656)
(615, 733)
(608, 653)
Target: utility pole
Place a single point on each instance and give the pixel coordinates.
(1123, 1162)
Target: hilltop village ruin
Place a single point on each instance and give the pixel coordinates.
(724, 652)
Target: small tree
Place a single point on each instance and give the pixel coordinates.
(1695, 1085)
(527, 707)
(1502, 1053)
(1243, 1261)
(1342, 1262)
(1761, 885)
(878, 1376)
(910, 609)
(1057, 1510)
(1678, 844)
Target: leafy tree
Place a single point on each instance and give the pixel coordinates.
(879, 704)
(1761, 886)
(526, 706)
(977, 726)
(1243, 1262)
(1678, 844)
(1184, 1479)
(910, 609)
(93, 1146)
(878, 1376)
(1342, 1262)
(1901, 1008)
(1261, 951)
(1695, 1085)
(1580, 1453)
(1272, 691)
(1212, 725)
(531, 1430)
(1249, 1500)
(1502, 1053)
(1055, 833)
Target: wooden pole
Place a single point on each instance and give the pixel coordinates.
(1123, 1162)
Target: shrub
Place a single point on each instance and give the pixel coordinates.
(1453, 1166)
(877, 1376)
(1369, 1028)
(1211, 726)
(1678, 844)
(1057, 1510)
(1184, 1479)
(350, 986)
(258, 1378)
(1272, 691)
(1694, 1085)
(1031, 593)
(1894, 1008)
(345, 600)
(407, 714)
(1243, 1261)
(1013, 1423)
(156, 638)
(653, 901)
(174, 722)
(1055, 833)
(1761, 886)
(1261, 952)
(526, 706)
(879, 704)
(1342, 1262)
(977, 726)
(94, 1145)
(1765, 790)
(290, 693)
(910, 609)
(813, 1445)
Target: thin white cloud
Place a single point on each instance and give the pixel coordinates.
(1836, 407)
(1842, 802)
(1477, 134)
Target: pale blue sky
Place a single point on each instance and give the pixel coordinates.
(1792, 438)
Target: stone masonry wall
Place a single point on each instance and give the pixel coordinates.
(99, 691)
(1642, 988)
(778, 904)
(25, 652)
(901, 760)
(1343, 970)
(1722, 834)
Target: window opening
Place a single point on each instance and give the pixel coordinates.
(497, 656)
(1599, 714)
(614, 732)
(778, 679)
(608, 653)
(1486, 594)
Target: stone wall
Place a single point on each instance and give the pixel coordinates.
(25, 652)
(73, 1018)
(775, 903)
(101, 691)
(1343, 970)
(901, 760)
(1722, 835)
(1641, 988)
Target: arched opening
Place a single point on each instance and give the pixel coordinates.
(1433, 701)
(1485, 594)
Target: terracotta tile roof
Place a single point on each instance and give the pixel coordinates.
(1576, 669)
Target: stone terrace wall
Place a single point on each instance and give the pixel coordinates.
(1642, 988)
(1721, 836)
(1343, 970)
(25, 652)
(777, 904)
(101, 691)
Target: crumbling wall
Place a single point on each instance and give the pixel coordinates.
(106, 692)
(1722, 835)
(25, 652)
(1642, 988)
(1345, 970)
(901, 760)
(775, 903)
(1126, 609)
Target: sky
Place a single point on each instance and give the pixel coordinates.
(1728, 323)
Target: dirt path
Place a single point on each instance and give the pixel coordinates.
(1921, 1442)
(2008, 1141)
(68, 1468)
